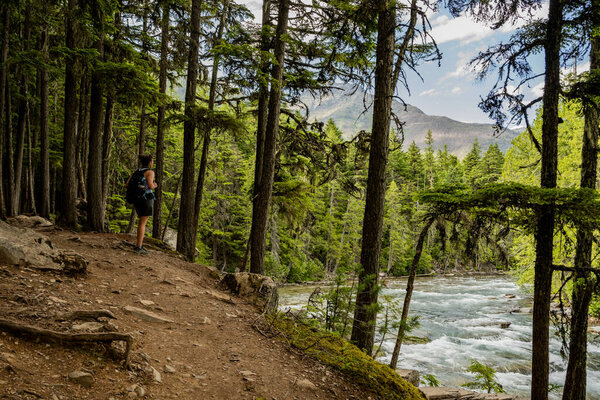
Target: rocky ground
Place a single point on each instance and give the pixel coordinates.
(191, 339)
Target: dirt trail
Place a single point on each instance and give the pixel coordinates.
(209, 351)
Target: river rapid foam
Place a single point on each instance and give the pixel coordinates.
(461, 317)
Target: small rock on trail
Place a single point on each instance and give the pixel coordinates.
(83, 378)
(145, 315)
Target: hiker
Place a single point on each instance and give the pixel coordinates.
(141, 195)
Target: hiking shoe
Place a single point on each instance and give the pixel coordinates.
(140, 250)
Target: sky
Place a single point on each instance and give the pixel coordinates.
(452, 89)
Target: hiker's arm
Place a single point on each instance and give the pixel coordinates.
(127, 183)
(150, 179)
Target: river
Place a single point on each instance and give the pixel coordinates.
(461, 317)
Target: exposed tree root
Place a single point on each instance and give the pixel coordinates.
(61, 337)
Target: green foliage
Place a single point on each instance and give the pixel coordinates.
(554, 388)
(595, 306)
(303, 269)
(430, 380)
(485, 378)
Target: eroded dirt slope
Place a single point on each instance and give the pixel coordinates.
(209, 350)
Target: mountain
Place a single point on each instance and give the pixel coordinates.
(348, 113)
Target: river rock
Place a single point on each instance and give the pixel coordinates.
(28, 248)
(82, 378)
(510, 296)
(440, 393)
(504, 325)
(410, 376)
(446, 393)
(594, 329)
(498, 396)
(260, 289)
(145, 315)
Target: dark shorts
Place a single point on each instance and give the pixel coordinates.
(143, 208)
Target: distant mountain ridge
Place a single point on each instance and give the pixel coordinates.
(347, 112)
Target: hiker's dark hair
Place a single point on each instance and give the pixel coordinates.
(145, 160)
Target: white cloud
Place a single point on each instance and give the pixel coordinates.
(538, 90)
(513, 90)
(460, 28)
(467, 30)
(430, 92)
(456, 90)
(462, 66)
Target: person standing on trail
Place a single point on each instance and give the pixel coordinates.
(139, 192)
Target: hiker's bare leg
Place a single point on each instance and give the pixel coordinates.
(141, 230)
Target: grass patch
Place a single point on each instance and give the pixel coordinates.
(332, 350)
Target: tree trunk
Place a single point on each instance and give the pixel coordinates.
(390, 252)
(44, 132)
(69, 179)
(29, 204)
(339, 257)
(262, 112)
(10, 151)
(409, 290)
(106, 148)
(160, 124)
(131, 223)
(3, 86)
(162, 235)
(142, 133)
(82, 133)
(95, 210)
(186, 227)
(53, 184)
(15, 206)
(545, 225)
(263, 95)
(328, 260)
(363, 329)
(583, 283)
(207, 129)
(21, 123)
(262, 199)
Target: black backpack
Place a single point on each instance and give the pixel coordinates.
(136, 188)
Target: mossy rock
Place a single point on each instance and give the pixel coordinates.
(330, 349)
(416, 340)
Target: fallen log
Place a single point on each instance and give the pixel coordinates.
(61, 337)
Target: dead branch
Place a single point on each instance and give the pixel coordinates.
(61, 337)
(572, 269)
